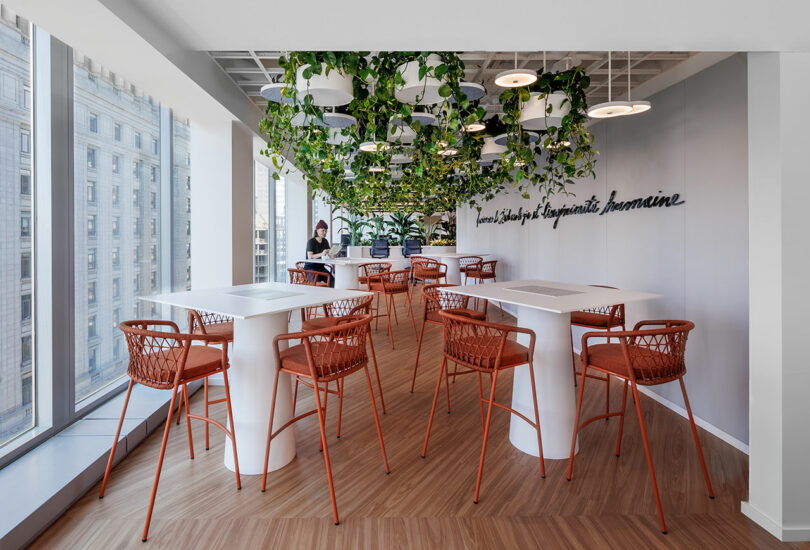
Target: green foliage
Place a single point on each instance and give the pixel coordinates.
(431, 182)
(402, 226)
(355, 224)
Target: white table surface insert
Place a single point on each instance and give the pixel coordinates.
(260, 314)
(545, 307)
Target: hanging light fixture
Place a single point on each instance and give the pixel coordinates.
(374, 146)
(610, 108)
(516, 78)
(474, 127)
(636, 106)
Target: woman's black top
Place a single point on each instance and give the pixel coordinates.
(316, 248)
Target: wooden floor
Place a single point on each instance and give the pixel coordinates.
(425, 503)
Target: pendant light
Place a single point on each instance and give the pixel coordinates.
(610, 108)
(516, 78)
(636, 106)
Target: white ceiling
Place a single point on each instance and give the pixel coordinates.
(250, 70)
(470, 25)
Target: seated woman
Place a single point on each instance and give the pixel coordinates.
(318, 247)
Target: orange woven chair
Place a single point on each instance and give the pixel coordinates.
(167, 360)
(466, 261)
(323, 356)
(307, 277)
(436, 301)
(484, 347)
(426, 269)
(597, 318)
(646, 357)
(335, 313)
(481, 271)
(208, 324)
(389, 284)
(303, 265)
(371, 268)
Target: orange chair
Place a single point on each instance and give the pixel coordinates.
(307, 277)
(481, 271)
(647, 357)
(597, 318)
(323, 356)
(303, 265)
(436, 301)
(208, 324)
(371, 268)
(167, 360)
(426, 269)
(466, 261)
(484, 347)
(336, 313)
(389, 284)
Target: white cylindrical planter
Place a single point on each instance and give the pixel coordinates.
(416, 91)
(556, 394)
(251, 376)
(354, 251)
(491, 151)
(332, 90)
(533, 114)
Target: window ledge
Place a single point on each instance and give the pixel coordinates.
(47, 480)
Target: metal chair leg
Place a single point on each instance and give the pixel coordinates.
(486, 434)
(433, 407)
(115, 441)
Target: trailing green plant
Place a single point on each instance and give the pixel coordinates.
(432, 181)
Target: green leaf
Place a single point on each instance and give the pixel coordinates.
(445, 90)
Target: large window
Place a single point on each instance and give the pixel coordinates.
(269, 226)
(181, 204)
(108, 249)
(281, 230)
(17, 369)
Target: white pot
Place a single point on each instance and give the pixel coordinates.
(330, 90)
(405, 134)
(415, 91)
(491, 151)
(533, 115)
(354, 251)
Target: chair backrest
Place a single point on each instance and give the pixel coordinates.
(373, 268)
(656, 355)
(615, 312)
(157, 352)
(300, 265)
(412, 246)
(488, 267)
(420, 265)
(379, 248)
(436, 299)
(476, 344)
(305, 276)
(198, 320)
(337, 351)
(394, 281)
(464, 261)
(349, 306)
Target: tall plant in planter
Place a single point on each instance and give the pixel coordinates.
(402, 226)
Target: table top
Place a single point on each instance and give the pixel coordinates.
(550, 295)
(451, 254)
(334, 261)
(247, 301)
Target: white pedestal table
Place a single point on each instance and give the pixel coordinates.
(260, 314)
(451, 260)
(545, 307)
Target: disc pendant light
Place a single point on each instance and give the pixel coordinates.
(516, 78)
(610, 108)
(636, 106)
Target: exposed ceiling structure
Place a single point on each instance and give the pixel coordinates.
(250, 70)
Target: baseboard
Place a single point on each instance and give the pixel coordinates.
(711, 428)
(784, 534)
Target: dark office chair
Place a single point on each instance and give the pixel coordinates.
(412, 246)
(345, 241)
(379, 248)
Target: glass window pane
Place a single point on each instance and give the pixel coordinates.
(181, 207)
(262, 239)
(114, 276)
(281, 230)
(16, 288)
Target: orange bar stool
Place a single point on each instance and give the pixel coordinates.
(367, 270)
(335, 313)
(647, 357)
(323, 356)
(389, 284)
(208, 324)
(436, 301)
(481, 271)
(484, 347)
(466, 261)
(307, 278)
(303, 265)
(166, 360)
(426, 269)
(597, 318)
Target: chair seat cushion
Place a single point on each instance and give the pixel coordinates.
(591, 319)
(650, 366)
(472, 314)
(467, 351)
(318, 323)
(343, 359)
(224, 330)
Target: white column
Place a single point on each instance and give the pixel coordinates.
(779, 272)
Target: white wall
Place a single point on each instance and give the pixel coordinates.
(299, 213)
(693, 142)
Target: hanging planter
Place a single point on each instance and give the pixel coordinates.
(543, 110)
(491, 151)
(327, 90)
(419, 87)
